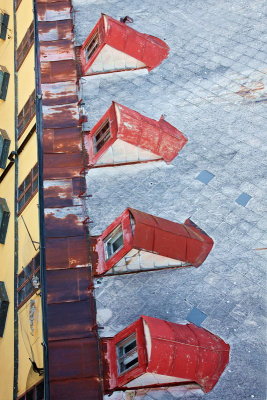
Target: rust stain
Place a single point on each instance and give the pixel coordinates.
(68, 320)
(59, 116)
(68, 252)
(58, 71)
(70, 225)
(62, 140)
(60, 290)
(74, 352)
(57, 50)
(59, 93)
(55, 30)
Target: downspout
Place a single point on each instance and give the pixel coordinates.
(16, 240)
(39, 131)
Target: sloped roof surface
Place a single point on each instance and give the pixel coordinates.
(212, 88)
(170, 239)
(186, 351)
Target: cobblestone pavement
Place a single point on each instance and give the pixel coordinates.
(212, 88)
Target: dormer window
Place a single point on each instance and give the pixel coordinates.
(4, 18)
(137, 241)
(113, 242)
(101, 136)
(127, 354)
(113, 46)
(92, 46)
(152, 352)
(123, 136)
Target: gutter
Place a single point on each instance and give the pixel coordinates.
(39, 131)
(16, 240)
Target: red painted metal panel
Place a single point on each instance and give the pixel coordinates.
(59, 93)
(70, 389)
(58, 194)
(145, 48)
(57, 50)
(56, 30)
(53, 11)
(67, 252)
(62, 140)
(200, 355)
(64, 222)
(183, 242)
(70, 320)
(179, 351)
(158, 137)
(63, 353)
(58, 71)
(59, 289)
(58, 116)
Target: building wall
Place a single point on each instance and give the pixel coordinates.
(7, 192)
(25, 339)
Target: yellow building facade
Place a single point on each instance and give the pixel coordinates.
(20, 345)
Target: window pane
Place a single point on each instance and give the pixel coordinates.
(127, 354)
(28, 270)
(35, 170)
(37, 261)
(118, 243)
(28, 289)
(130, 346)
(21, 189)
(27, 194)
(113, 242)
(131, 363)
(21, 278)
(35, 184)
(102, 135)
(92, 46)
(30, 395)
(40, 391)
(21, 203)
(28, 180)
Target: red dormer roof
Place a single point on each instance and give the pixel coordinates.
(153, 235)
(147, 50)
(183, 353)
(134, 138)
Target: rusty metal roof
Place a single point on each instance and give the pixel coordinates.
(74, 362)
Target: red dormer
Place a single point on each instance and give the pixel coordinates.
(124, 136)
(156, 353)
(113, 46)
(138, 241)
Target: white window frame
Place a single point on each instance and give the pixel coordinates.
(111, 239)
(124, 357)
